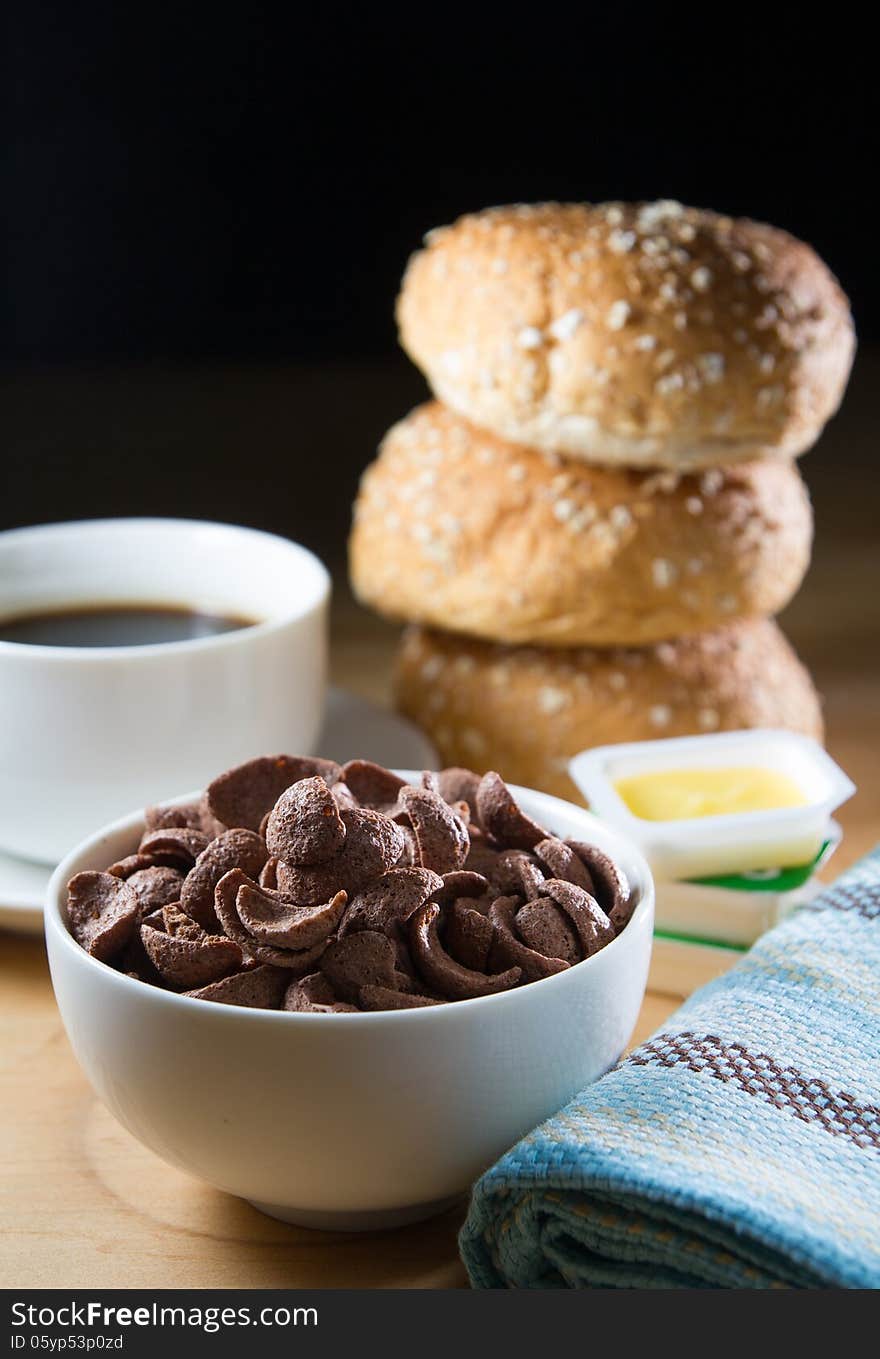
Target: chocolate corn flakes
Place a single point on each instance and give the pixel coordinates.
(300, 884)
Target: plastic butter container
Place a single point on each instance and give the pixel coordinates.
(782, 787)
(703, 927)
(736, 909)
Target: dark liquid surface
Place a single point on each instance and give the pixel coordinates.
(117, 625)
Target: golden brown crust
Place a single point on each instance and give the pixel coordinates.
(635, 334)
(526, 711)
(457, 529)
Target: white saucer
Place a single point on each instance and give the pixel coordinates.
(351, 726)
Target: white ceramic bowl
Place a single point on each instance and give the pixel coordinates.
(128, 725)
(353, 1120)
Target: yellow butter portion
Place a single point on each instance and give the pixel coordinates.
(683, 794)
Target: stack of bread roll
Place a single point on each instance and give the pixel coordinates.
(591, 527)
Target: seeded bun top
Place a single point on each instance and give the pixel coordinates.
(631, 334)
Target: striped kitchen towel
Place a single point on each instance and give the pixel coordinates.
(738, 1148)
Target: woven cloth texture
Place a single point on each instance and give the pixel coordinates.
(738, 1148)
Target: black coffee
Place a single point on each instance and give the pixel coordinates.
(117, 625)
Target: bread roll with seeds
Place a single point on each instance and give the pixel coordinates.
(526, 711)
(629, 334)
(460, 530)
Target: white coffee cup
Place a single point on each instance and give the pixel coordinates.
(87, 733)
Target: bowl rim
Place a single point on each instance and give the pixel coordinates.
(306, 563)
(56, 926)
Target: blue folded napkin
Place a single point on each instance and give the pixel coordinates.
(738, 1148)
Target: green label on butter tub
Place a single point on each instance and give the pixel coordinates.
(770, 879)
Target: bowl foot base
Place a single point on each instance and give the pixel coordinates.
(372, 1220)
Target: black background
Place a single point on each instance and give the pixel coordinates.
(190, 186)
(208, 212)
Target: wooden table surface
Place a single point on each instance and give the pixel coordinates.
(83, 1204)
